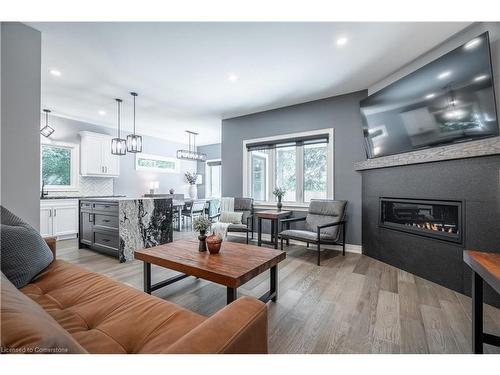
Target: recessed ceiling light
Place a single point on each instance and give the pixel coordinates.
(444, 75)
(102, 113)
(231, 77)
(430, 96)
(342, 41)
(473, 43)
(55, 72)
(480, 78)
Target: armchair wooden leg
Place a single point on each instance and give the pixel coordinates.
(319, 254)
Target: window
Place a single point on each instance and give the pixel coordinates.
(59, 166)
(300, 163)
(213, 179)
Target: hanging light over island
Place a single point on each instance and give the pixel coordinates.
(134, 141)
(119, 145)
(47, 130)
(191, 153)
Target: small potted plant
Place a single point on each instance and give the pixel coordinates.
(172, 191)
(191, 179)
(279, 193)
(201, 224)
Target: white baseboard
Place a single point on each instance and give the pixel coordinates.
(349, 248)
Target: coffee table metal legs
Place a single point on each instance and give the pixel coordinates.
(232, 293)
(272, 295)
(148, 288)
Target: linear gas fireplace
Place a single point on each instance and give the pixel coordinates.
(437, 219)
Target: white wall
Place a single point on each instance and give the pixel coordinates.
(20, 120)
(131, 182)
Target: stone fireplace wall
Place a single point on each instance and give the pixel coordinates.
(475, 181)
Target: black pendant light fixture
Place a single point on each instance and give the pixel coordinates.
(119, 145)
(134, 142)
(47, 131)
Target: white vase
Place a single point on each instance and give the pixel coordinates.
(192, 191)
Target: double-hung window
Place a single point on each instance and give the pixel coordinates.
(301, 164)
(59, 166)
(213, 179)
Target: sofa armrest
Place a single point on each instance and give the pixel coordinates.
(51, 243)
(239, 328)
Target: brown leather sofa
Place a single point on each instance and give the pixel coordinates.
(68, 309)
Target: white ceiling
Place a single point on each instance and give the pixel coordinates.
(181, 70)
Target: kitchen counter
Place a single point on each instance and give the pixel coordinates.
(121, 225)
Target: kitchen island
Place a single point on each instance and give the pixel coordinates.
(119, 226)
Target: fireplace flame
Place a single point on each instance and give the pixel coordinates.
(433, 227)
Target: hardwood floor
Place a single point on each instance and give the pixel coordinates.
(351, 304)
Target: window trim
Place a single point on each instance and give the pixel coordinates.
(208, 178)
(330, 183)
(75, 165)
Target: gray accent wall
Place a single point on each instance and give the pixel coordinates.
(20, 120)
(339, 112)
(131, 182)
(213, 152)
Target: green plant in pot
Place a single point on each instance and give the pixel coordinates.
(279, 193)
(201, 224)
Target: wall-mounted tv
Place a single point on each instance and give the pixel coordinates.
(449, 100)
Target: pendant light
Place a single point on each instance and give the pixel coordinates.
(191, 153)
(119, 145)
(47, 131)
(134, 142)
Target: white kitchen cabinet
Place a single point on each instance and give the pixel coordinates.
(59, 218)
(95, 156)
(45, 221)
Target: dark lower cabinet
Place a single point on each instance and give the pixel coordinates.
(99, 226)
(86, 223)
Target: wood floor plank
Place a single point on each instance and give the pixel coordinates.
(387, 326)
(438, 332)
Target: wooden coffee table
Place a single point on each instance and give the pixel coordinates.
(235, 265)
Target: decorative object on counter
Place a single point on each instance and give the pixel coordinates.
(153, 185)
(134, 141)
(171, 191)
(201, 225)
(118, 144)
(47, 130)
(191, 153)
(214, 243)
(191, 178)
(279, 193)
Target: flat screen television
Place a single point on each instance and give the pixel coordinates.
(449, 100)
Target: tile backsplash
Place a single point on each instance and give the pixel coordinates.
(90, 186)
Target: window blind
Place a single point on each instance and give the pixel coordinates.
(214, 163)
(296, 141)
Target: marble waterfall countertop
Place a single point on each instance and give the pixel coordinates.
(143, 222)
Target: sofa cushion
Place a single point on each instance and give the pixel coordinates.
(27, 328)
(306, 236)
(105, 316)
(24, 253)
(231, 217)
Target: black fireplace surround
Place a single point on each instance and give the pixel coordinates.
(430, 218)
(462, 194)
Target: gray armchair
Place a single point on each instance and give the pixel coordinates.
(244, 205)
(324, 225)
